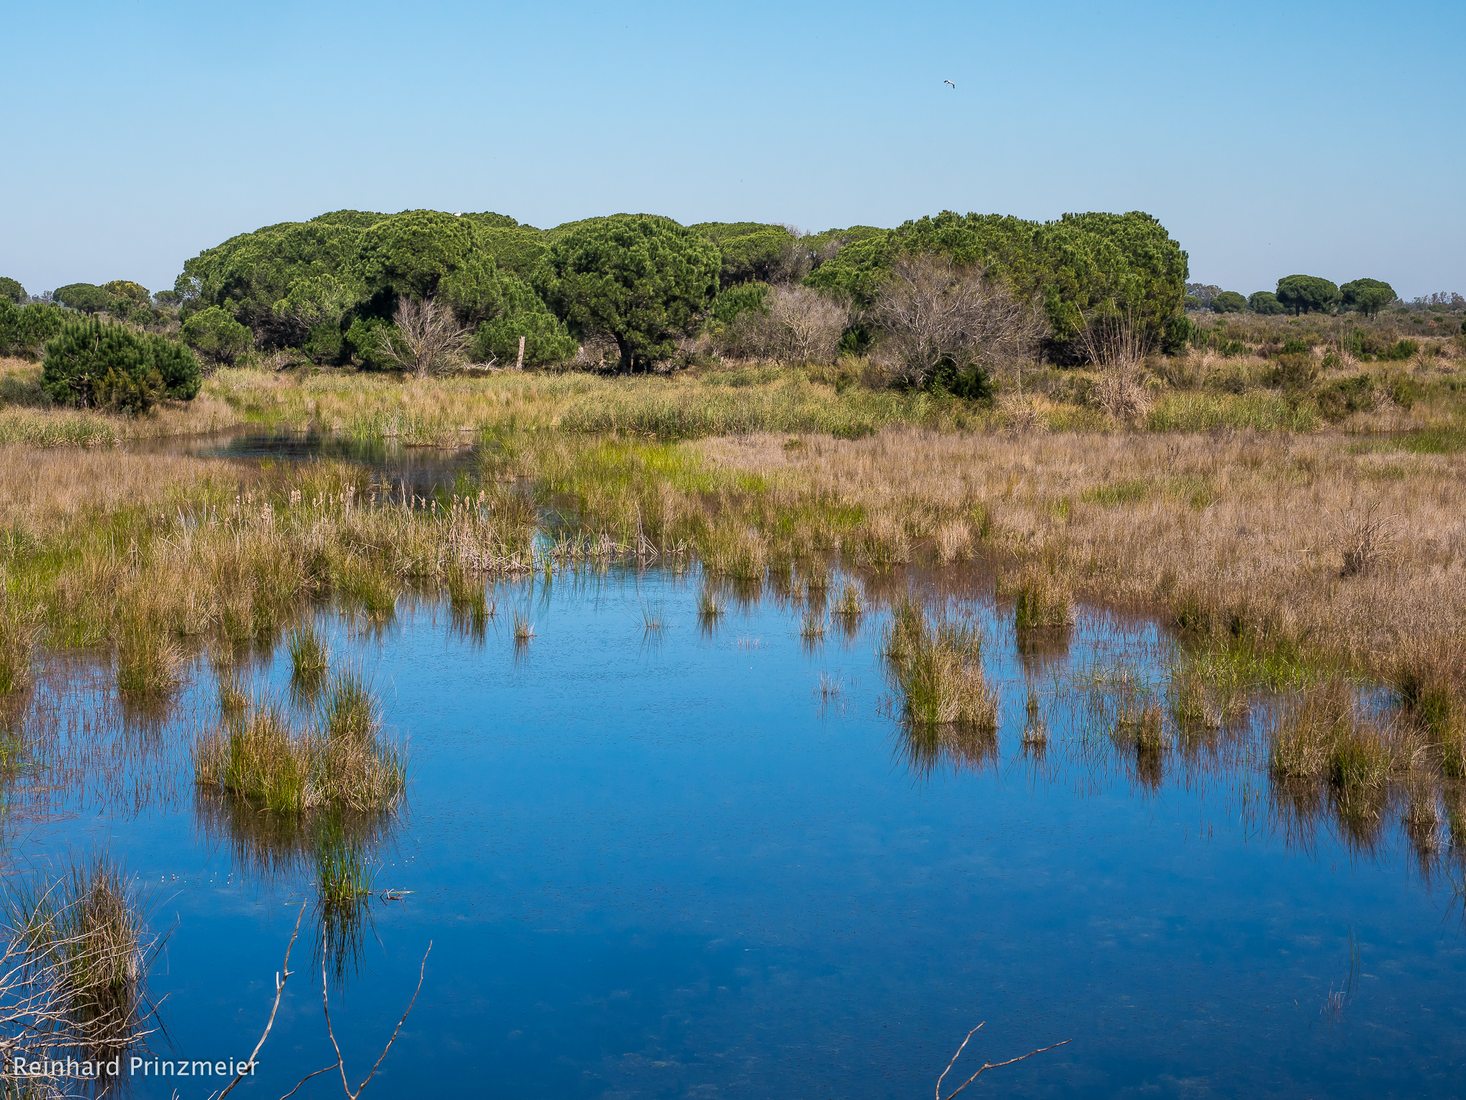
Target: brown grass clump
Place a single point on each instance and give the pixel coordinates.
(75, 966)
(1041, 597)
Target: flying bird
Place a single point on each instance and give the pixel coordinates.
(949, 84)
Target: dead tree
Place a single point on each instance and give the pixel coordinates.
(934, 314)
(425, 337)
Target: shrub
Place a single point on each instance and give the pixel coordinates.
(86, 297)
(94, 364)
(1400, 351)
(1347, 395)
(796, 324)
(546, 340)
(25, 330)
(11, 290)
(943, 326)
(215, 334)
(1294, 372)
(1228, 301)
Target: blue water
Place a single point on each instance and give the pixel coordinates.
(668, 864)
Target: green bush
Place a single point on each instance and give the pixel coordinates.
(545, 339)
(25, 330)
(215, 334)
(11, 291)
(1294, 372)
(94, 364)
(1347, 395)
(739, 299)
(1228, 301)
(1400, 351)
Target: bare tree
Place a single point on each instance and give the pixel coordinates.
(935, 315)
(424, 337)
(797, 325)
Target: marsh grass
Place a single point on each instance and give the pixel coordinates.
(938, 669)
(1206, 694)
(1319, 740)
(1042, 598)
(523, 628)
(709, 606)
(349, 709)
(19, 631)
(77, 962)
(343, 768)
(309, 660)
(149, 663)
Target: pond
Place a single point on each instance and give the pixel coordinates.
(662, 855)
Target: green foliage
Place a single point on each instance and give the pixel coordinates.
(739, 299)
(128, 297)
(86, 297)
(101, 365)
(546, 339)
(1265, 303)
(11, 290)
(1228, 301)
(1367, 296)
(490, 220)
(276, 279)
(25, 330)
(1082, 267)
(351, 219)
(1307, 294)
(1354, 394)
(480, 291)
(517, 249)
(213, 333)
(638, 278)
(410, 253)
(751, 250)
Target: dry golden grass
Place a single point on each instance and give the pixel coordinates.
(1226, 534)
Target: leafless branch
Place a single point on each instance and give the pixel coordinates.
(933, 314)
(424, 337)
(280, 979)
(937, 1093)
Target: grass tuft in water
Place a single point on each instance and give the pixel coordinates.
(1041, 598)
(939, 672)
(309, 660)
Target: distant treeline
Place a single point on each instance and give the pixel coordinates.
(329, 287)
(1300, 294)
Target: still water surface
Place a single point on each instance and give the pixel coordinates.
(709, 862)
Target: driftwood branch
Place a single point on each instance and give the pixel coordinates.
(937, 1094)
(339, 1065)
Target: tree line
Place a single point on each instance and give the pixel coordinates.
(943, 300)
(1297, 294)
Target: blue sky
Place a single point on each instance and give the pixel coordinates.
(1270, 138)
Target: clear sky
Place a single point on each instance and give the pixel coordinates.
(1298, 135)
